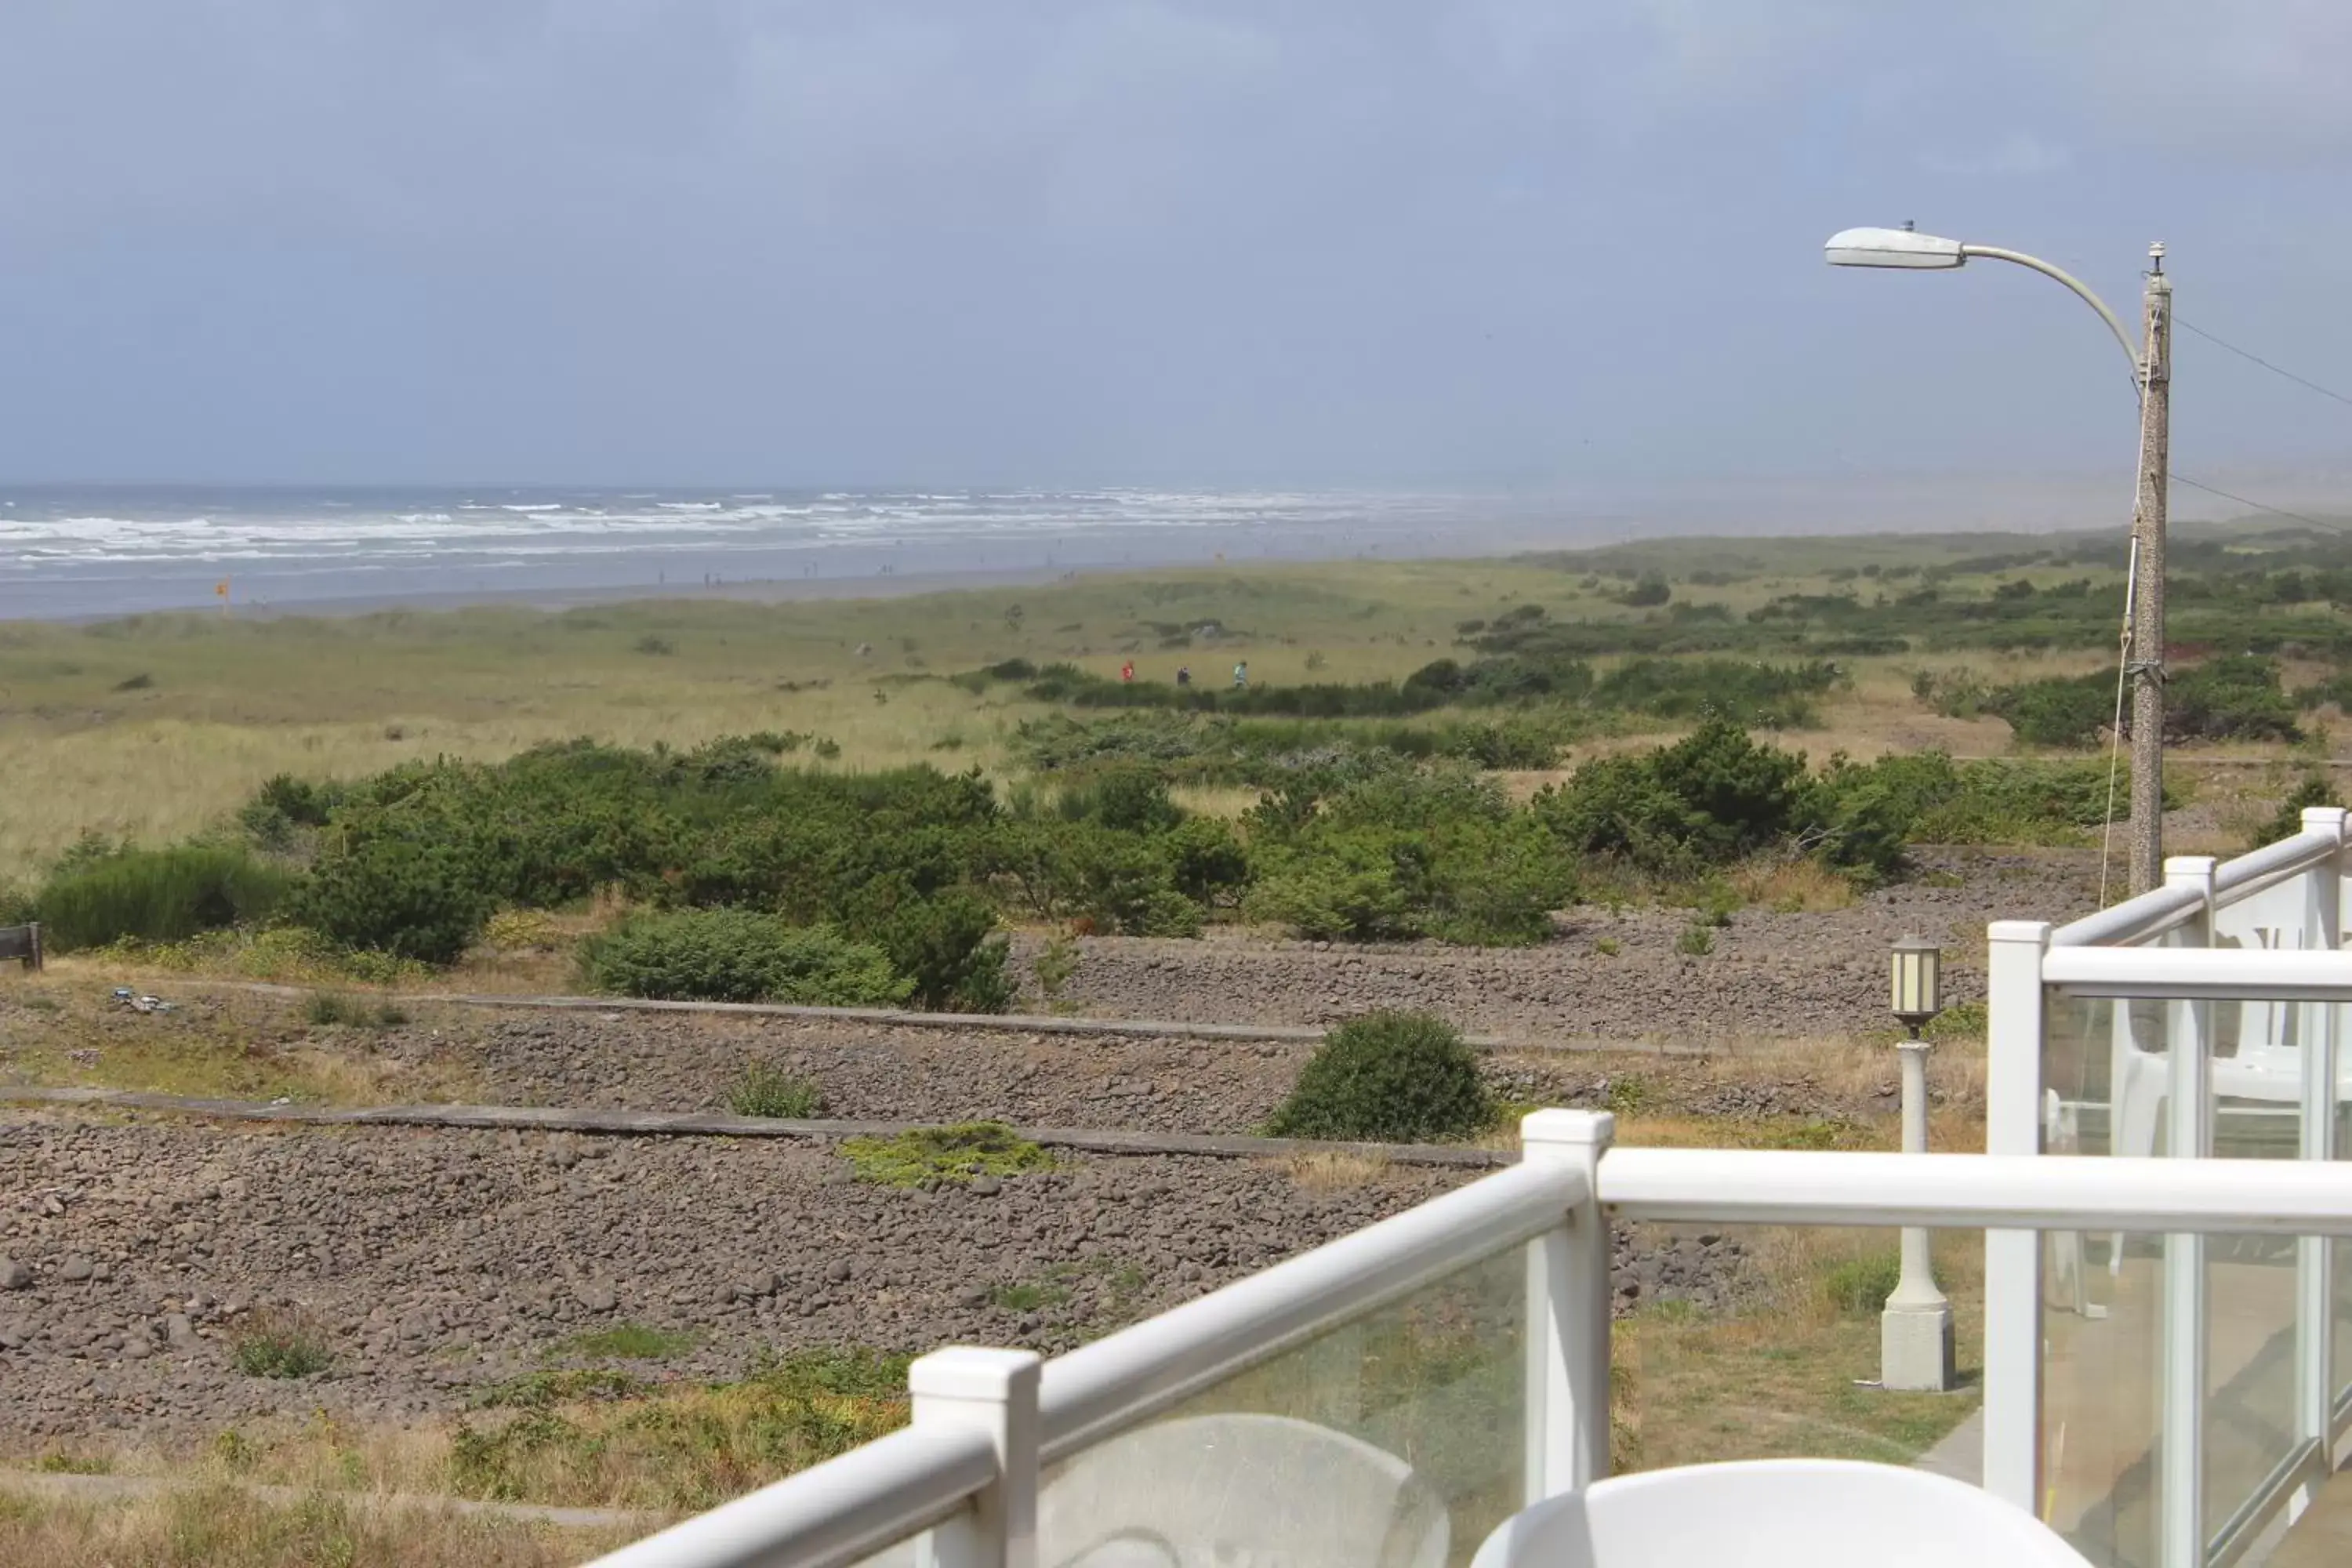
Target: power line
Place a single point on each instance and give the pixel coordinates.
(2257, 359)
(2181, 479)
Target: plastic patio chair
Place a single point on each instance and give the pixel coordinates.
(1776, 1513)
(1238, 1491)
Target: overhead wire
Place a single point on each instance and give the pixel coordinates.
(2249, 355)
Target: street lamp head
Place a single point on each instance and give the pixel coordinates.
(1918, 981)
(1892, 247)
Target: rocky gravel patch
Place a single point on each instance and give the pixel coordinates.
(1769, 974)
(1605, 976)
(132, 1258)
(672, 1061)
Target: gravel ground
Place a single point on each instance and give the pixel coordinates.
(131, 1254)
(656, 1061)
(1769, 976)
(873, 1072)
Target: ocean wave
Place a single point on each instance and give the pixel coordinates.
(43, 534)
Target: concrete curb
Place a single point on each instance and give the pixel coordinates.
(704, 1124)
(57, 1488)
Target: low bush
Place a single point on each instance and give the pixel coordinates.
(1708, 800)
(157, 895)
(1388, 1076)
(763, 1089)
(408, 899)
(946, 946)
(2235, 698)
(274, 1343)
(2317, 789)
(741, 956)
(951, 1156)
(1859, 1287)
(331, 1009)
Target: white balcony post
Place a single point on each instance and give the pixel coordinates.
(1567, 1385)
(2012, 1333)
(2315, 1260)
(994, 1391)
(2188, 1114)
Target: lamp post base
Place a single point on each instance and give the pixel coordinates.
(1914, 1347)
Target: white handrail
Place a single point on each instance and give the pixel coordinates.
(2159, 910)
(2007, 1192)
(2273, 863)
(2179, 973)
(833, 1514)
(1092, 1392)
(2151, 914)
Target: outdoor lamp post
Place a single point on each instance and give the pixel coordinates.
(1915, 1332)
(2151, 370)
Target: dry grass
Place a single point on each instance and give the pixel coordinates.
(577, 1436)
(65, 1030)
(1792, 885)
(225, 1528)
(1781, 1374)
(1336, 1169)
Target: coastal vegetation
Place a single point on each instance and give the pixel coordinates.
(851, 801)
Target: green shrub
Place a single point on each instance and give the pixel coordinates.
(329, 1009)
(1706, 800)
(622, 1341)
(935, 1156)
(389, 896)
(765, 1089)
(1388, 1076)
(1859, 1287)
(279, 1344)
(157, 895)
(1207, 862)
(2315, 789)
(1696, 941)
(2061, 711)
(741, 956)
(2234, 698)
(945, 945)
(1347, 890)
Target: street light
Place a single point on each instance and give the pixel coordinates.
(1915, 1332)
(1906, 249)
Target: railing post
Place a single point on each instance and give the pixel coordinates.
(994, 1391)
(2012, 1333)
(2315, 1258)
(1566, 1385)
(2188, 1117)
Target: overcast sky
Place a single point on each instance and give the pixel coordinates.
(1317, 242)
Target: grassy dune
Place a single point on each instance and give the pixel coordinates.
(153, 726)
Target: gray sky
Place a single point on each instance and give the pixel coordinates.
(1281, 241)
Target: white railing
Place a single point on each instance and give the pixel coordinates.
(2200, 1018)
(960, 1487)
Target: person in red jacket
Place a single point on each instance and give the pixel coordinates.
(1126, 672)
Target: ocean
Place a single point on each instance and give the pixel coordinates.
(93, 552)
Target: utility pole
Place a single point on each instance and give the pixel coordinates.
(2147, 662)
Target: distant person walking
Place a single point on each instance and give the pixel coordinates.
(1126, 672)
(1183, 675)
(1240, 675)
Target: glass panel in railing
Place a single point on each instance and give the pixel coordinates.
(2102, 1405)
(2249, 1367)
(1765, 1342)
(2340, 1269)
(2251, 1292)
(1394, 1441)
